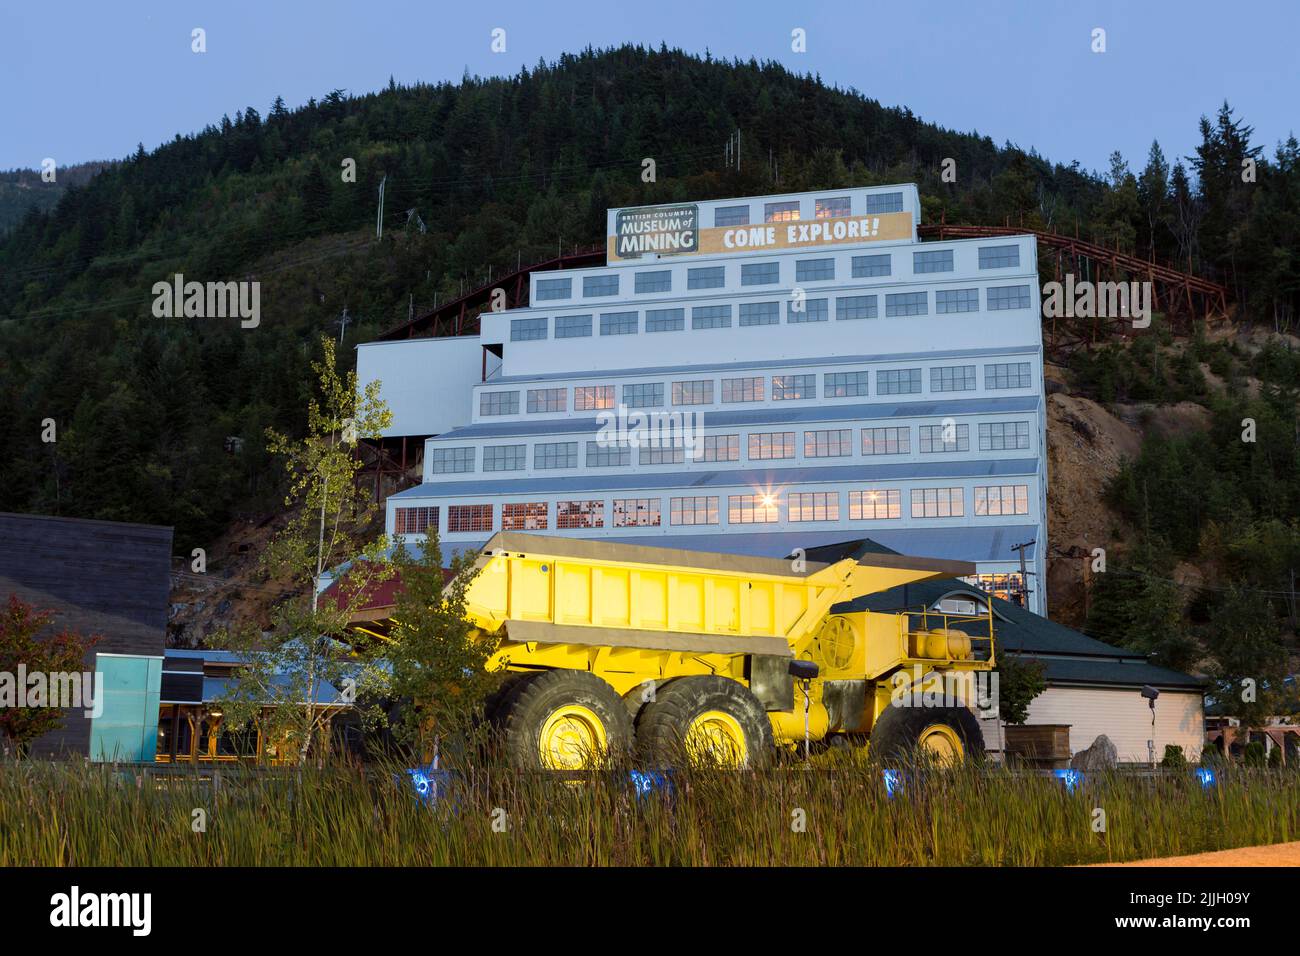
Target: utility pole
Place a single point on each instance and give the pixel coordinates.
(344, 319)
(379, 218)
(1024, 573)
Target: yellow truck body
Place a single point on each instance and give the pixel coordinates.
(642, 617)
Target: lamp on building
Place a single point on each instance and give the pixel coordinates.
(1150, 693)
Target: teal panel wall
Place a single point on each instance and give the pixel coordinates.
(127, 729)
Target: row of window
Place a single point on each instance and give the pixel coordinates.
(821, 269)
(760, 446)
(797, 309)
(799, 506)
(998, 376)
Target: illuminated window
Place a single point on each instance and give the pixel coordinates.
(720, 448)
(781, 211)
(886, 441)
(587, 398)
(527, 516)
(1009, 587)
(469, 518)
(742, 389)
(765, 446)
(752, 509)
(415, 520)
(579, 514)
(941, 438)
(693, 393)
(938, 503)
(693, 510)
(828, 443)
(548, 399)
(1002, 500)
(792, 387)
(813, 506)
(636, 512)
(875, 505)
(835, 208)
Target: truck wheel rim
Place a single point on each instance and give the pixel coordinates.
(941, 742)
(716, 738)
(573, 738)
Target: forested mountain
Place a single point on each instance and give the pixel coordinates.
(22, 190)
(479, 175)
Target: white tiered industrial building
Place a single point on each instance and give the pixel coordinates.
(826, 375)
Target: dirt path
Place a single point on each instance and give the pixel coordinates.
(1276, 854)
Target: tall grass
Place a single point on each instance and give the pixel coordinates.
(96, 815)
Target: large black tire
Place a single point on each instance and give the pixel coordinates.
(899, 730)
(528, 706)
(663, 724)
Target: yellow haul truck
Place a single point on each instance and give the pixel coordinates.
(613, 647)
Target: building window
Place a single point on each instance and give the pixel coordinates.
(498, 403)
(731, 216)
(814, 270)
(828, 443)
(1009, 587)
(887, 441)
(760, 313)
(579, 514)
(947, 301)
(665, 320)
(752, 509)
(1002, 500)
(781, 211)
(548, 289)
(792, 387)
(766, 446)
(636, 512)
(548, 399)
(524, 516)
(845, 384)
(693, 393)
(618, 323)
(906, 303)
(590, 398)
(898, 381)
(999, 257)
(572, 326)
(504, 457)
(952, 378)
(608, 455)
(720, 448)
(1007, 375)
(760, 273)
(706, 277)
(711, 317)
(415, 520)
(944, 438)
(1003, 436)
(644, 395)
(937, 503)
(937, 260)
(660, 455)
(874, 505)
(870, 267)
(661, 280)
(835, 208)
(855, 307)
(559, 454)
(742, 389)
(884, 202)
(525, 330)
(593, 286)
(693, 510)
(451, 461)
(813, 506)
(809, 310)
(1003, 297)
(469, 518)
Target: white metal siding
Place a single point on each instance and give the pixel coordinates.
(1122, 715)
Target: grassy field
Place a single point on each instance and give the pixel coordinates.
(93, 815)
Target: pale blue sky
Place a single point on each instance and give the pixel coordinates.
(88, 79)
